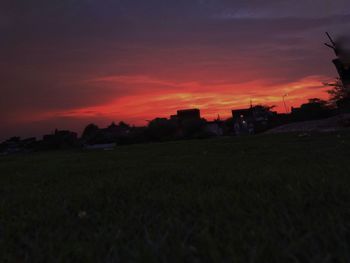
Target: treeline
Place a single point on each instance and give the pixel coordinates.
(158, 130)
(187, 124)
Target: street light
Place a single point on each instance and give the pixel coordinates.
(284, 102)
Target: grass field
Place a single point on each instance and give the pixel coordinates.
(280, 198)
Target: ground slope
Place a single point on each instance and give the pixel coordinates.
(336, 123)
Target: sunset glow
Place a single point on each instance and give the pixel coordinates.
(143, 107)
(119, 60)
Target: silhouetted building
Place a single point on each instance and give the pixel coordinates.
(252, 120)
(214, 128)
(189, 114)
(174, 117)
(60, 140)
(162, 129)
(112, 134)
(17, 145)
(314, 109)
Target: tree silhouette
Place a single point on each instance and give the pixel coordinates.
(338, 91)
(90, 132)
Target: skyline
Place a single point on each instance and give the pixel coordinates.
(68, 63)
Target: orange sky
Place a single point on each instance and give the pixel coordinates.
(213, 100)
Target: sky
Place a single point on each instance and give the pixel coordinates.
(67, 63)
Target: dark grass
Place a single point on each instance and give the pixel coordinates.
(279, 198)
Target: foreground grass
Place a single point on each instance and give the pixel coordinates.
(260, 199)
